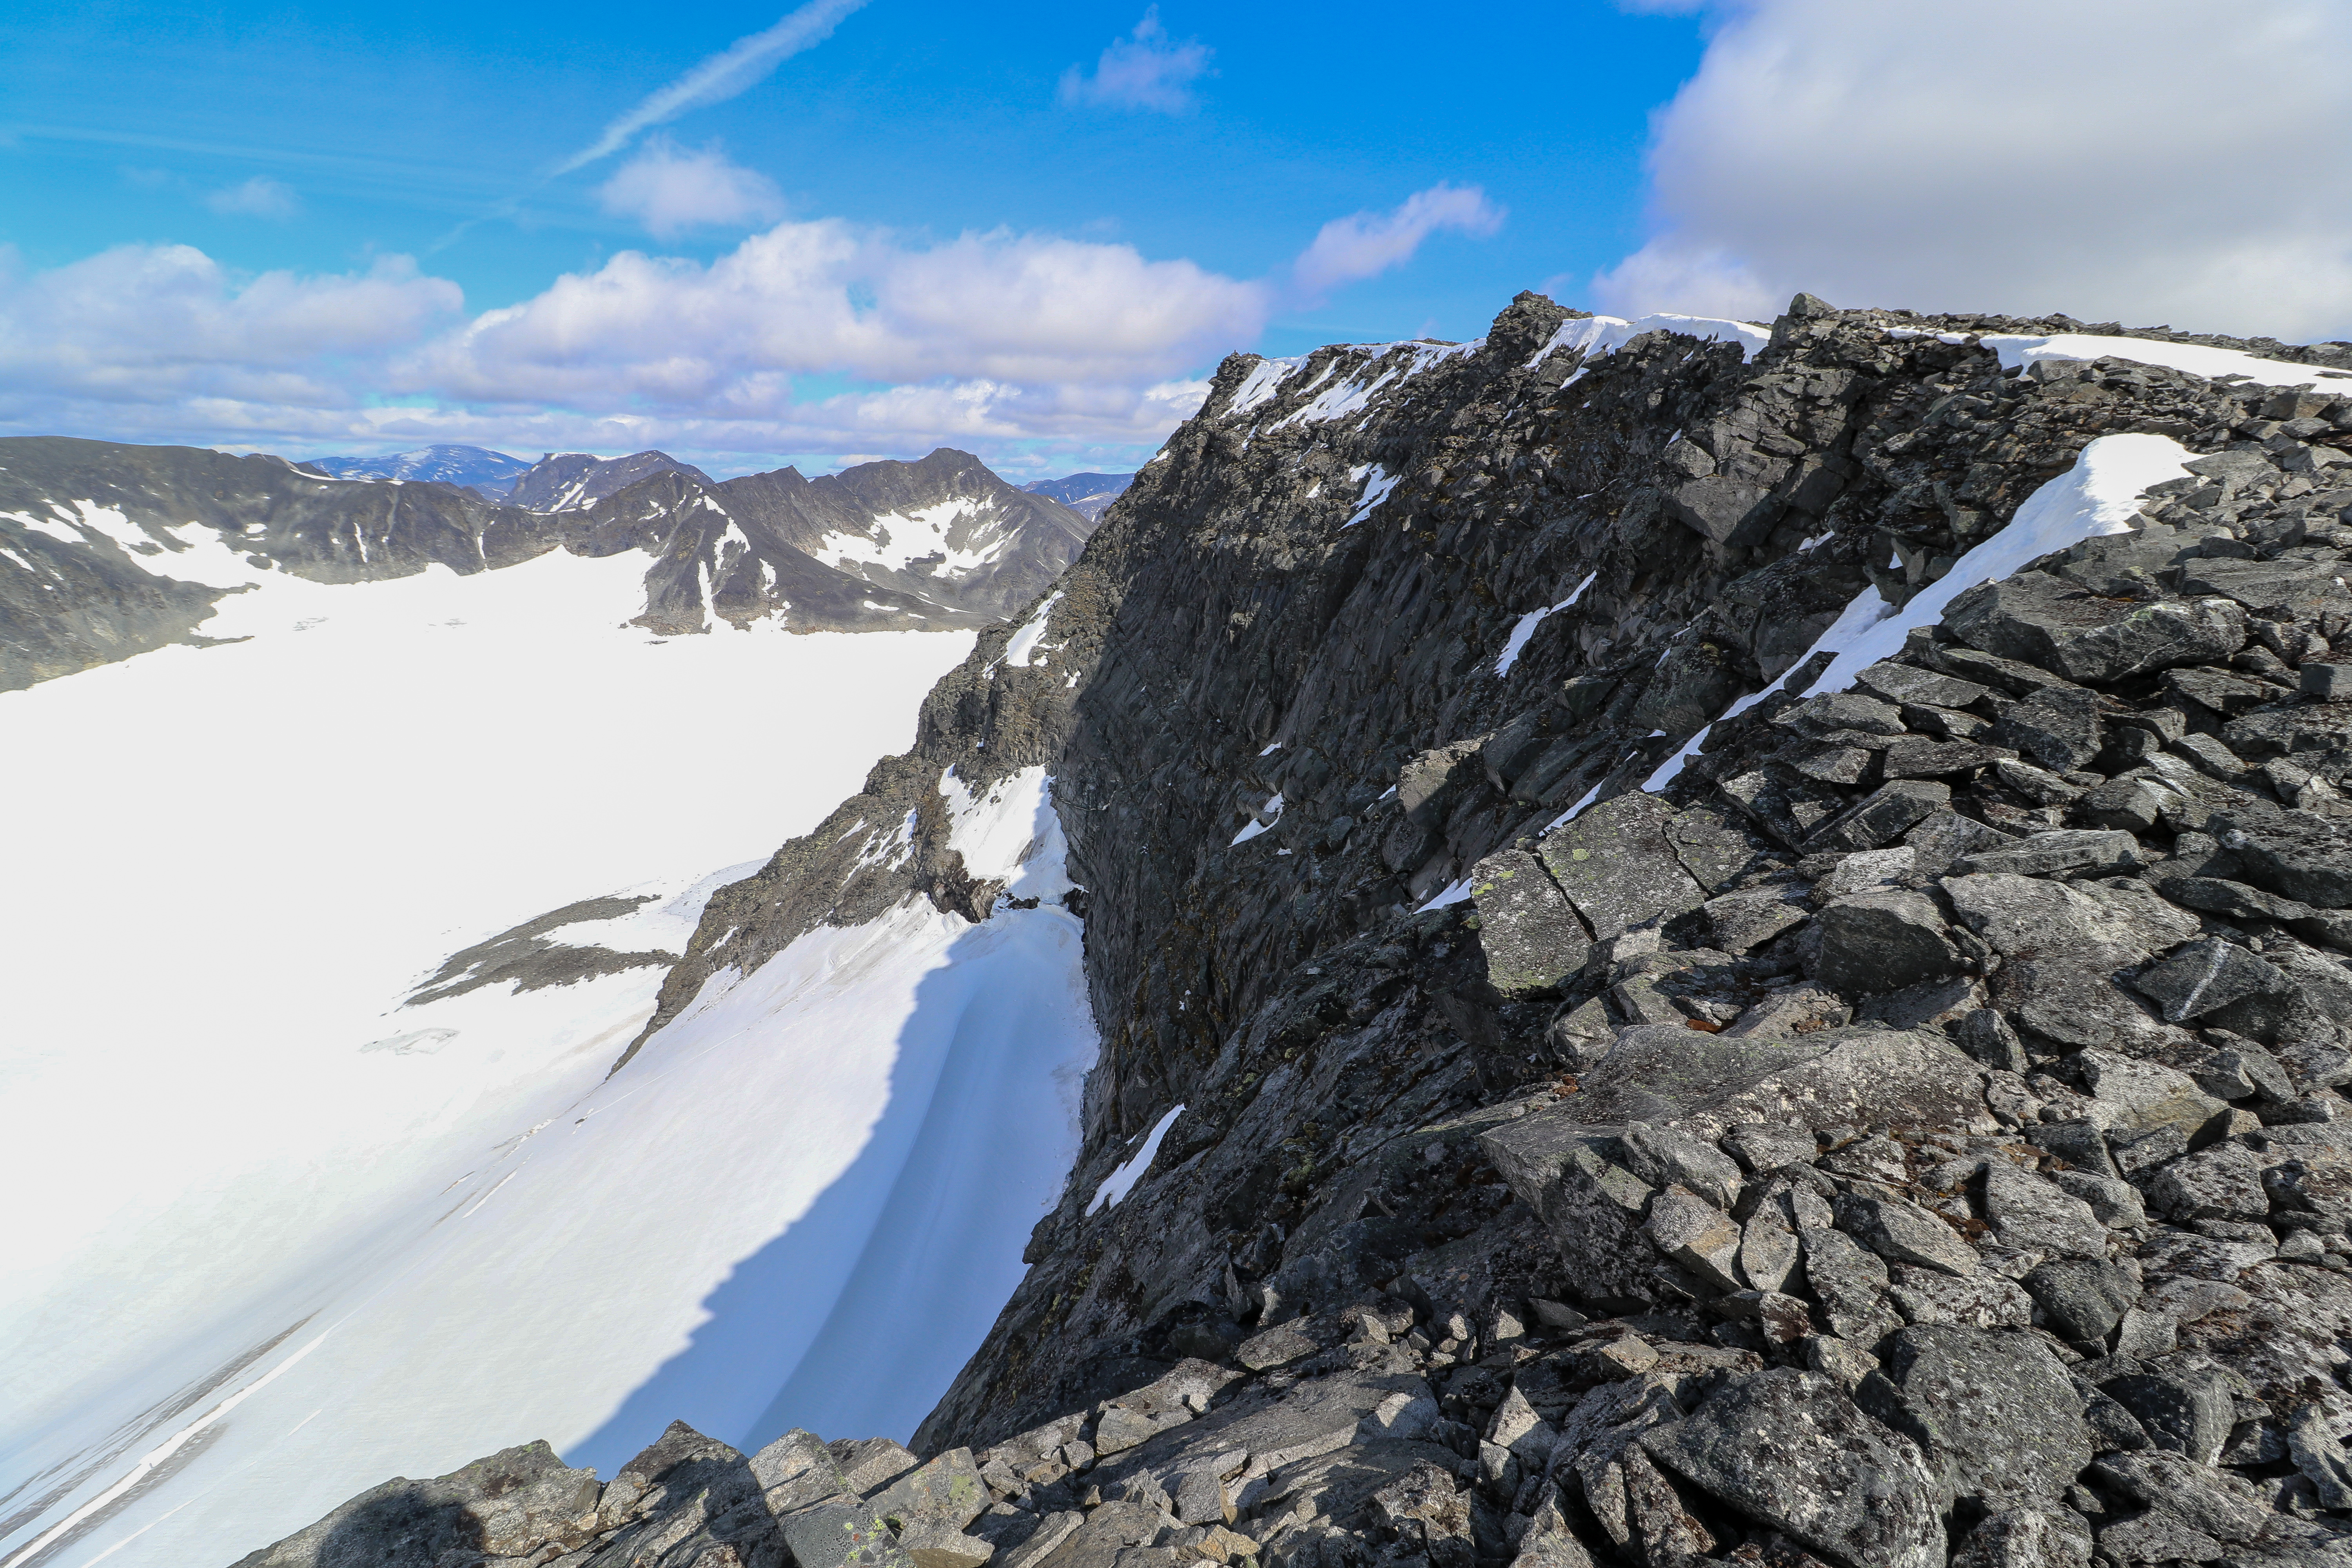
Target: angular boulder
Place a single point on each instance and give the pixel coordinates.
(1618, 866)
(1533, 940)
(1994, 1413)
(1792, 1450)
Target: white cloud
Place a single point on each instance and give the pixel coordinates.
(1367, 244)
(671, 189)
(259, 196)
(825, 297)
(737, 69)
(1141, 71)
(819, 337)
(2149, 163)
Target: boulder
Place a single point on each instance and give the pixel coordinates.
(2059, 728)
(1425, 1510)
(2043, 621)
(1903, 1232)
(1883, 941)
(1661, 1157)
(2294, 854)
(1740, 921)
(1994, 1413)
(2185, 1410)
(1882, 816)
(2098, 851)
(1617, 866)
(1695, 1235)
(2135, 1098)
(2154, 1478)
(2207, 976)
(2027, 1212)
(2225, 1182)
(1792, 1450)
(946, 1491)
(1533, 940)
(2084, 1299)
(1849, 1284)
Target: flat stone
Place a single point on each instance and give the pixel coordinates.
(1618, 866)
(1533, 940)
(2096, 850)
(1905, 1233)
(2224, 1182)
(1661, 1157)
(1983, 1300)
(2040, 620)
(2026, 1212)
(1993, 1412)
(841, 1535)
(1849, 1284)
(1695, 1235)
(1792, 1450)
(1882, 816)
(2156, 1479)
(2060, 729)
(2186, 1412)
(2294, 854)
(1883, 941)
(1741, 920)
(947, 1491)
(2205, 976)
(2084, 1299)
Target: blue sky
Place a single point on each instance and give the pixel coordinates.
(281, 227)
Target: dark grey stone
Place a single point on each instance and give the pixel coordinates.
(1994, 1412)
(2186, 1411)
(1792, 1450)
(2059, 728)
(1884, 816)
(2207, 976)
(2083, 1299)
(1618, 866)
(1883, 941)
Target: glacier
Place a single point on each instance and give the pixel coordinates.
(292, 1235)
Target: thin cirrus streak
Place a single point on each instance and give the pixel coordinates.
(734, 70)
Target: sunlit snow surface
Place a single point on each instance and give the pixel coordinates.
(279, 1239)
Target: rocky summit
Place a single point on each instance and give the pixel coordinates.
(1711, 945)
(108, 551)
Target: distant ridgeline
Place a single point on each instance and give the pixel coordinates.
(1712, 944)
(107, 550)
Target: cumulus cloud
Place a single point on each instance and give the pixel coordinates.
(671, 189)
(1144, 71)
(259, 196)
(737, 69)
(2010, 155)
(1365, 245)
(1003, 342)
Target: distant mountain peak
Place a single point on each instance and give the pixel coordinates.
(1088, 495)
(480, 467)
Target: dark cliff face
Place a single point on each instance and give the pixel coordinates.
(1910, 1134)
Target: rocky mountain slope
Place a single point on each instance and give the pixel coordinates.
(573, 481)
(1711, 944)
(1089, 495)
(107, 550)
(486, 473)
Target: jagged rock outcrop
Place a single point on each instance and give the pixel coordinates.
(99, 542)
(1911, 1132)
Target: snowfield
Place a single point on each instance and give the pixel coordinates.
(281, 1238)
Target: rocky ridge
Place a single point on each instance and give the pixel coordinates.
(1915, 1135)
(89, 530)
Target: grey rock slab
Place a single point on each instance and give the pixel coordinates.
(1882, 816)
(937, 1546)
(1618, 866)
(1883, 941)
(945, 1490)
(841, 1535)
(1662, 1156)
(1768, 1248)
(2084, 1299)
(2156, 1479)
(2026, 1212)
(508, 1503)
(871, 1463)
(2060, 729)
(2027, 1538)
(1994, 1413)
(1533, 940)
(1902, 683)
(1792, 1450)
(2294, 854)
(2320, 1455)
(1903, 1232)
(2040, 620)
(795, 1470)
(1761, 1146)
(1741, 920)
(2186, 1411)
(1983, 1300)
(1707, 1084)
(1179, 1396)
(2154, 1536)
(1567, 1172)
(1051, 1532)
(1848, 1284)
(2096, 850)
(2224, 1183)
(1694, 1234)
(1275, 1347)
(2205, 976)
(2134, 1098)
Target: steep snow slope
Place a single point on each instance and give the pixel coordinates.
(293, 1235)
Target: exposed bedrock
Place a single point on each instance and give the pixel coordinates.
(1914, 1134)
